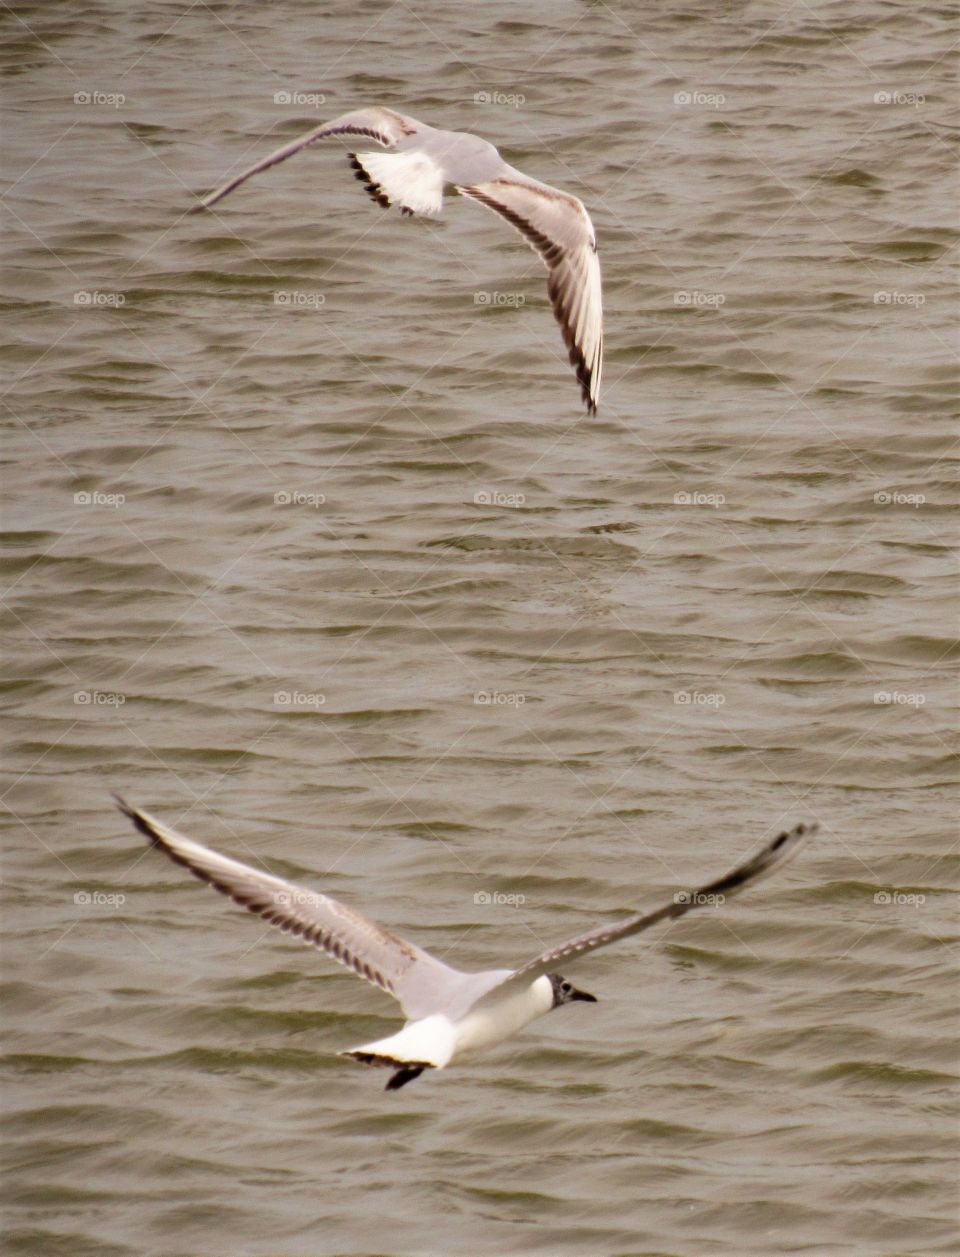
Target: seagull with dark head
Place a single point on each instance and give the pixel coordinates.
(421, 161)
(450, 1013)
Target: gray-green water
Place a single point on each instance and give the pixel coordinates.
(724, 605)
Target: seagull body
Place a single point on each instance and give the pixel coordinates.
(423, 160)
(450, 1014)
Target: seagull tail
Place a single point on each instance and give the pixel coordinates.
(420, 1045)
(411, 180)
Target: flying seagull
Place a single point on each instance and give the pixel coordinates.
(449, 1013)
(423, 160)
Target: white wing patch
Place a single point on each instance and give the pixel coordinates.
(411, 180)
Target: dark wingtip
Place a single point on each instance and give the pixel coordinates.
(139, 823)
(804, 829)
(122, 805)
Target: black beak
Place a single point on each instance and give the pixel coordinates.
(582, 995)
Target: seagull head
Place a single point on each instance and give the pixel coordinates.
(565, 992)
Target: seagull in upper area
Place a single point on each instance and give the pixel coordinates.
(450, 1014)
(423, 160)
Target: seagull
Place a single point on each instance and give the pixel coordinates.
(422, 161)
(449, 1013)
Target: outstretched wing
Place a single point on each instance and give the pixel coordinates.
(412, 976)
(772, 856)
(558, 226)
(383, 125)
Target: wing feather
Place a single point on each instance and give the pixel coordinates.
(377, 123)
(408, 973)
(772, 856)
(558, 227)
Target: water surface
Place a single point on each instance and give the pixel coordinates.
(353, 588)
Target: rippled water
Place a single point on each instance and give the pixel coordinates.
(723, 605)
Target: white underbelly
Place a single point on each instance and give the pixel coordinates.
(483, 1027)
